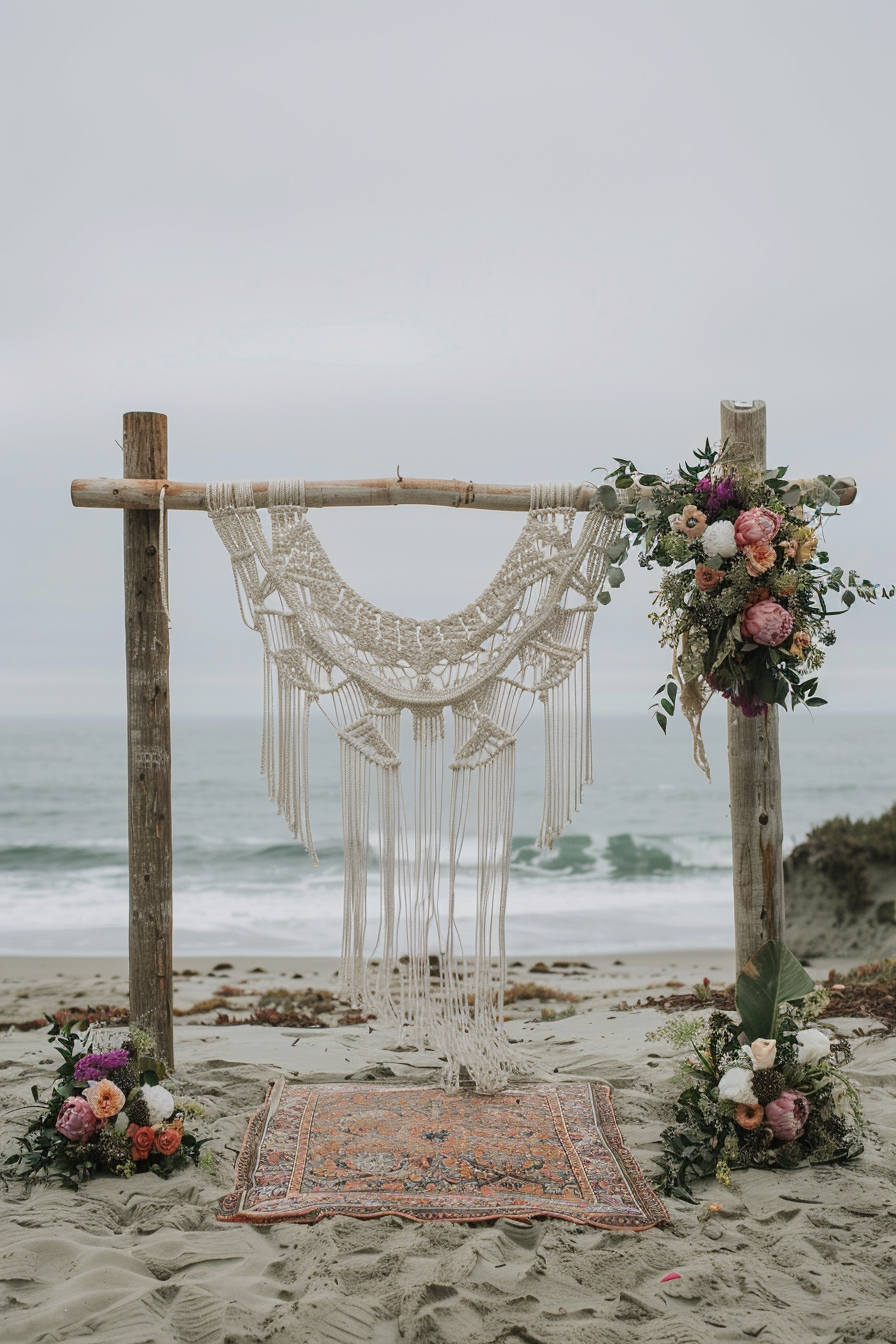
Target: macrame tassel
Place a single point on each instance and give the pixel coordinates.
(527, 634)
(470, 1029)
(564, 691)
(362, 747)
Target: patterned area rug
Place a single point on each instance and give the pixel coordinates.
(369, 1150)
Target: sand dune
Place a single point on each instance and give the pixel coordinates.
(792, 1257)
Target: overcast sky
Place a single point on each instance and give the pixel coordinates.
(488, 239)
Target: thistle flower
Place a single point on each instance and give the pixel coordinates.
(768, 1084)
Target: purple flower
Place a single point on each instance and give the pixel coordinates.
(93, 1068)
(76, 1121)
(717, 496)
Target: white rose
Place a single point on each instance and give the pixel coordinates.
(737, 1085)
(160, 1103)
(814, 1045)
(763, 1052)
(718, 539)
(673, 518)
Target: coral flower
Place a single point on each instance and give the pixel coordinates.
(142, 1138)
(800, 644)
(167, 1141)
(707, 578)
(767, 623)
(759, 557)
(755, 525)
(104, 1098)
(690, 521)
(749, 1117)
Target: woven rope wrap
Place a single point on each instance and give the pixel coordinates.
(524, 640)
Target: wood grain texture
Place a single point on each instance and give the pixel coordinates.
(104, 493)
(114, 493)
(149, 744)
(754, 763)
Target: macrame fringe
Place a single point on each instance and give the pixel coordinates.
(526, 636)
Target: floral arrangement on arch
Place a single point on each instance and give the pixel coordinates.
(744, 601)
(768, 1091)
(107, 1112)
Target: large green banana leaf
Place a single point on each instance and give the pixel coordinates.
(771, 977)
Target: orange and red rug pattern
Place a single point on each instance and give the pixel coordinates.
(548, 1150)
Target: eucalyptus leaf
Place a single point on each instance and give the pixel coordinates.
(771, 977)
(603, 599)
(618, 549)
(615, 576)
(608, 497)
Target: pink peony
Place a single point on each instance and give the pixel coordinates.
(76, 1121)
(755, 525)
(786, 1117)
(766, 623)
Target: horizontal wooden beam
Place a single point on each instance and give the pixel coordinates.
(107, 493)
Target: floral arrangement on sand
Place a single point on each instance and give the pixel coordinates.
(107, 1112)
(768, 1091)
(744, 600)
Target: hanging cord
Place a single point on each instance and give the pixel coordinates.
(163, 555)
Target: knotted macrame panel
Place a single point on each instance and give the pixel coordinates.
(464, 683)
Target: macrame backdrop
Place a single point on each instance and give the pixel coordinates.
(526, 636)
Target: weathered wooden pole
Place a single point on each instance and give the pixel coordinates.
(754, 764)
(149, 742)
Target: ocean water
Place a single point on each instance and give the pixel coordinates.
(645, 865)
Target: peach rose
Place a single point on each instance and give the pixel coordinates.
(800, 644)
(104, 1098)
(763, 1051)
(167, 1141)
(806, 548)
(787, 549)
(749, 1117)
(759, 557)
(690, 521)
(707, 578)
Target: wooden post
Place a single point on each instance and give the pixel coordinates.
(149, 743)
(754, 764)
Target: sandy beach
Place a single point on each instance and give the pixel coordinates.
(803, 1256)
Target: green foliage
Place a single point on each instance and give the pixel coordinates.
(705, 1139)
(842, 849)
(45, 1152)
(771, 977)
(705, 627)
